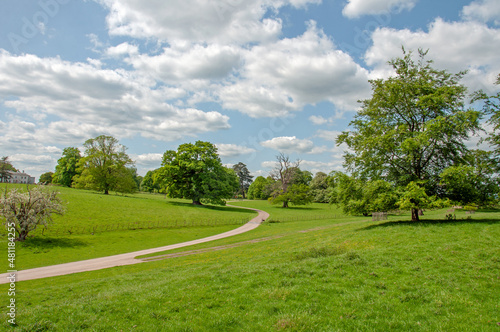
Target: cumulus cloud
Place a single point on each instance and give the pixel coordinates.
(284, 76)
(291, 144)
(357, 8)
(86, 100)
(122, 49)
(477, 53)
(483, 10)
(234, 150)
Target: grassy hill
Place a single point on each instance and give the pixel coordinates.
(337, 274)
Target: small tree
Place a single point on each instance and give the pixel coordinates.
(26, 210)
(46, 178)
(284, 173)
(414, 198)
(67, 167)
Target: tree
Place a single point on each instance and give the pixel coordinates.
(67, 167)
(5, 169)
(104, 166)
(46, 178)
(476, 181)
(148, 182)
(414, 198)
(24, 211)
(195, 172)
(296, 194)
(244, 177)
(283, 173)
(492, 107)
(413, 126)
(257, 189)
(320, 187)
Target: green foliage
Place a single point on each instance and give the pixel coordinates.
(358, 197)
(148, 183)
(244, 177)
(414, 198)
(46, 178)
(67, 167)
(260, 188)
(320, 188)
(475, 181)
(105, 166)
(296, 194)
(195, 172)
(412, 127)
(491, 107)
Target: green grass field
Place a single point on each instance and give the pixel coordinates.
(338, 274)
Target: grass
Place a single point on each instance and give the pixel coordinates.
(348, 274)
(87, 210)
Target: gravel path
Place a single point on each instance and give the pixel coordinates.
(124, 259)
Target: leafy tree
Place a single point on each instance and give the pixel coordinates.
(492, 107)
(357, 196)
(67, 167)
(296, 194)
(320, 187)
(257, 190)
(5, 169)
(25, 211)
(413, 126)
(476, 181)
(195, 172)
(301, 177)
(148, 182)
(244, 177)
(414, 198)
(46, 178)
(105, 166)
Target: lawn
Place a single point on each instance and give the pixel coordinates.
(88, 227)
(343, 274)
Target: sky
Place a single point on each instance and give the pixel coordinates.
(254, 77)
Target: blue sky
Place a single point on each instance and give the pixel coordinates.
(254, 77)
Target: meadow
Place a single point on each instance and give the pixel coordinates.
(292, 274)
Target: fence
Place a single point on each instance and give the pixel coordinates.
(379, 216)
(100, 228)
(303, 218)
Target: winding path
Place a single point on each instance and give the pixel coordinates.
(124, 259)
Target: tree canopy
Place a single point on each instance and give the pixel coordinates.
(244, 177)
(5, 169)
(413, 126)
(195, 172)
(67, 166)
(105, 166)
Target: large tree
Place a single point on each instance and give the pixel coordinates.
(412, 127)
(244, 177)
(66, 167)
(195, 172)
(492, 108)
(105, 166)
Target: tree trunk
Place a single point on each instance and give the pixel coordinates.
(106, 192)
(285, 203)
(196, 202)
(414, 215)
(243, 194)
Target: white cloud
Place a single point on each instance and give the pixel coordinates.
(88, 101)
(176, 65)
(233, 150)
(288, 144)
(357, 8)
(284, 76)
(483, 10)
(454, 46)
(122, 49)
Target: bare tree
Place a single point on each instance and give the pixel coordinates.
(283, 173)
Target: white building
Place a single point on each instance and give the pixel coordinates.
(20, 177)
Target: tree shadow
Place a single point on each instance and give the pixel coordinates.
(211, 207)
(51, 243)
(305, 208)
(430, 222)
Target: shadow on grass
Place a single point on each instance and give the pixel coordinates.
(51, 242)
(430, 222)
(210, 207)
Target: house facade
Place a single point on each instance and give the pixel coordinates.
(20, 177)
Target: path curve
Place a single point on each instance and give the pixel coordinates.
(124, 259)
